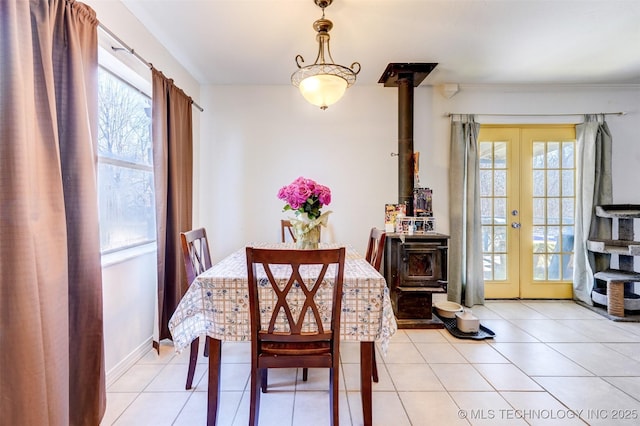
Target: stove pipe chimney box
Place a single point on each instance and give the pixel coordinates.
(405, 76)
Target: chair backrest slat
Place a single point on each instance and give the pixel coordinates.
(195, 251)
(286, 231)
(375, 247)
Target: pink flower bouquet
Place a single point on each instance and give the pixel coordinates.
(305, 196)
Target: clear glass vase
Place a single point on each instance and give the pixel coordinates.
(307, 231)
(309, 240)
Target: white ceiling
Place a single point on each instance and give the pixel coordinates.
(254, 42)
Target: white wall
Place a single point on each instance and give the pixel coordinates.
(129, 288)
(257, 139)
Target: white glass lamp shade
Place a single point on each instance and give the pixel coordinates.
(323, 89)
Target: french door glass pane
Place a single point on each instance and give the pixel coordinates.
(486, 183)
(500, 155)
(568, 155)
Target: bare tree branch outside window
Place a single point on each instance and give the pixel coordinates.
(125, 170)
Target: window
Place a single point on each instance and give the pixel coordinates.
(125, 161)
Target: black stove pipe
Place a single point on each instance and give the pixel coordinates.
(405, 76)
(405, 143)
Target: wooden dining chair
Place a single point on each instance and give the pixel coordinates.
(375, 247)
(197, 259)
(286, 231)
(375, 250)
(285, 335)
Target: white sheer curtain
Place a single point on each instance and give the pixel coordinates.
(466, 281)
(593, 183)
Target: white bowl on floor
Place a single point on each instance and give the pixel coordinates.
(448, 309)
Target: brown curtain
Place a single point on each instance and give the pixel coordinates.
(173, 172)
(51, 340)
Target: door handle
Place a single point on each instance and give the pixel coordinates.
(515, 225)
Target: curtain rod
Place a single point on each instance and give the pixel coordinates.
(449, 114)
(134, 53)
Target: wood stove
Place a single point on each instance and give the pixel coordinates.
(415, 267)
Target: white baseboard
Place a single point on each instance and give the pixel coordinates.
(116, 372)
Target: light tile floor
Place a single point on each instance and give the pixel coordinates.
(551, 363)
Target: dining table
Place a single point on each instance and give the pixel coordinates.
(216, 305)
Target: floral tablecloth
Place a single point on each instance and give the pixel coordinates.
(217, 302)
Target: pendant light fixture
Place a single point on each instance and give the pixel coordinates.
(323, 83)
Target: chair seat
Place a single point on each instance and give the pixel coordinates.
(278, 348)
(304, 360)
